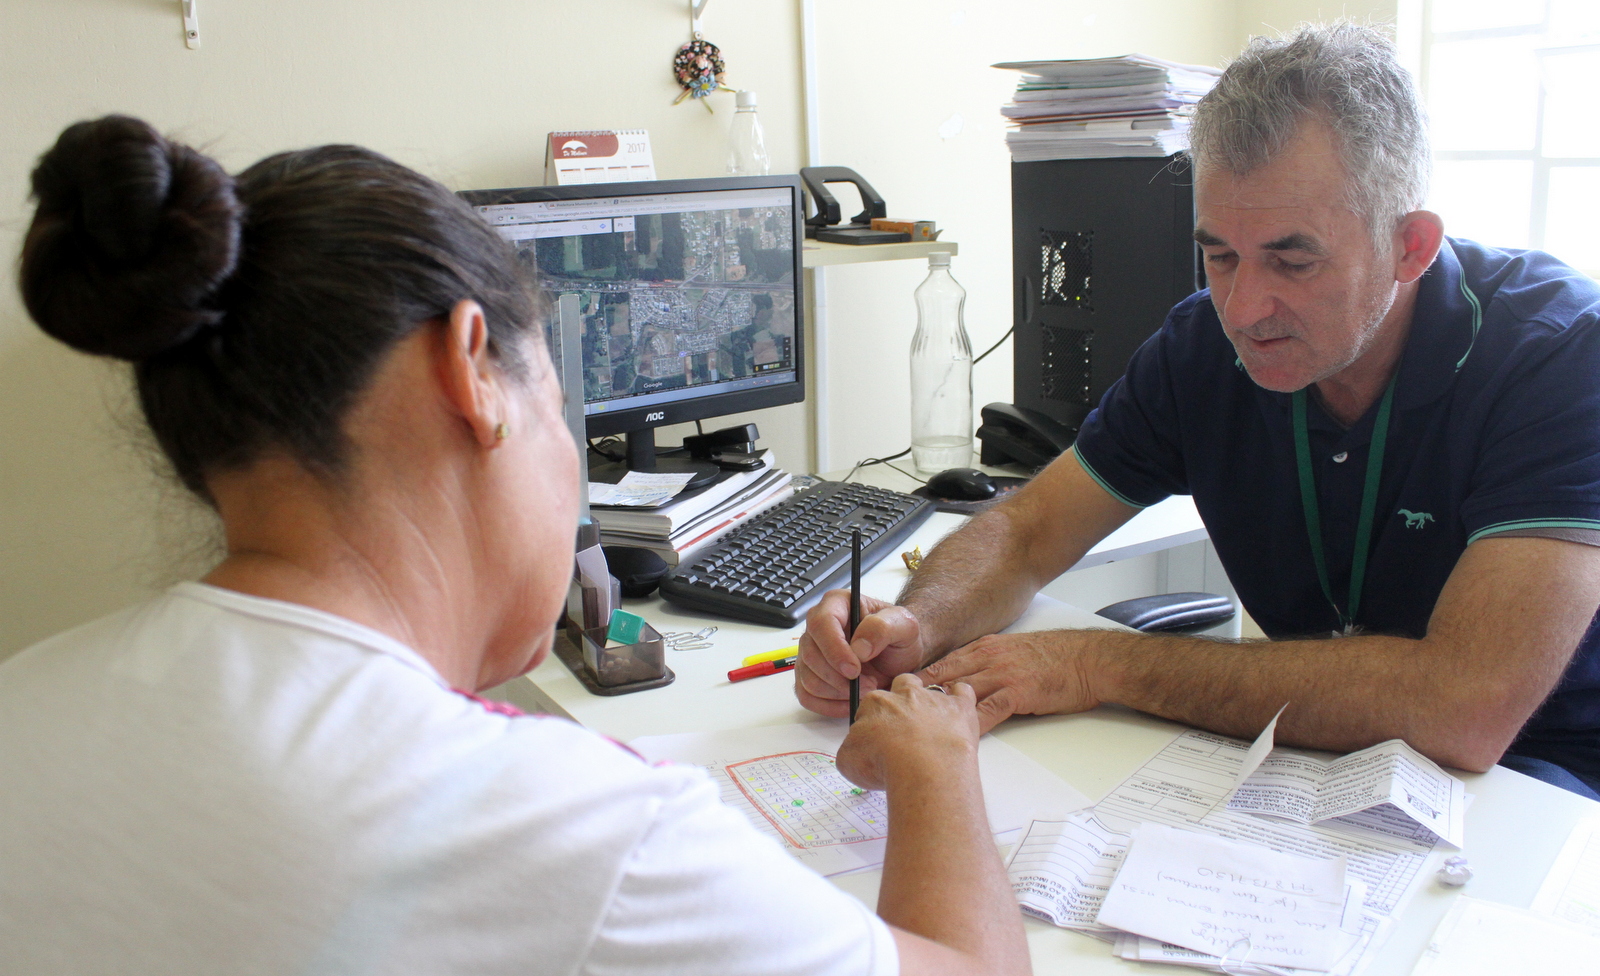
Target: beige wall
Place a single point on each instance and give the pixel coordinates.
(882, 117)
(1272, 16)
(466, 92)
(462, 91)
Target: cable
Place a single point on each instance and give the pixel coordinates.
(600, 448)
(868, 462)
(920, 481)
(992, 348)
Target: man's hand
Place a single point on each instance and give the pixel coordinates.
(976, 581)
(888, 642)
(1021, 674)
(910, 731)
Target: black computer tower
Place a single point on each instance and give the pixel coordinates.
(1101, 251)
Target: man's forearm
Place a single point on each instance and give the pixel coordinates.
(1502, 633)
(1343, 693)
(949, 608)
(982, 577)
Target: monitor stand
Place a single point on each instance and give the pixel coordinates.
(641, 456)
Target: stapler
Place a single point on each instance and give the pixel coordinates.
(820, 226)
(731, 448)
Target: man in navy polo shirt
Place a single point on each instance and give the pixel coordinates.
(1393, 438)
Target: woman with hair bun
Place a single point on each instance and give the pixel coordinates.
(281, 768)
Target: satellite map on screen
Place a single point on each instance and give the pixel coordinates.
(678, 300)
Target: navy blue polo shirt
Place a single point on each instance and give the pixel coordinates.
(1495, 429)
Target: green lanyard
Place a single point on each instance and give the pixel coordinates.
(1369, 501)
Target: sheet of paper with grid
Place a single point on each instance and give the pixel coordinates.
(805, 798)
(836, 828)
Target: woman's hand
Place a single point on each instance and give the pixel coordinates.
(910, 729)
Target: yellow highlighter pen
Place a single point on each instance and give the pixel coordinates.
(776, 655)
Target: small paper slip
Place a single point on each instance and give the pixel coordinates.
(638, 489)
(1305, 789)
(1481, 938)
(1241, 902)
(1259, 750)
(1571, 891)
(598, 156)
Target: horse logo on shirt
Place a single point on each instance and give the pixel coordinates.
(1415, 520)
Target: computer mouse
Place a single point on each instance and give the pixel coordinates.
(963, 485)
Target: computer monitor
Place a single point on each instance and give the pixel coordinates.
(687, 294)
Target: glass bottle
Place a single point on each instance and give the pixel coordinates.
(747, 149)
(941, 373)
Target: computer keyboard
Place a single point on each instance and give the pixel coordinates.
(775, 569)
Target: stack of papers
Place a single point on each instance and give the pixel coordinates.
(678, 527)
(1257, 846)
(1129, 106)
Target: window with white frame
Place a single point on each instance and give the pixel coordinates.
(1512, 90)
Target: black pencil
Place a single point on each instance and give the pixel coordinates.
(855, 613)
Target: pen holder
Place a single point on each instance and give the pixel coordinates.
(589, 607)
(617, 669)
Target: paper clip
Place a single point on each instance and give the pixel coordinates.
(1232, 967)
(683, 640)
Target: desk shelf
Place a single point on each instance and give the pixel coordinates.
(822, 254)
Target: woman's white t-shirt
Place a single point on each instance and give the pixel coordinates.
(217, 783)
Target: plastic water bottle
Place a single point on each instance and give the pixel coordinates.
(941, 373)
(747, 149)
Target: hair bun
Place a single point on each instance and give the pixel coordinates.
(131, 240)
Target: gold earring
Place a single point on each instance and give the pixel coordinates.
(501, 431)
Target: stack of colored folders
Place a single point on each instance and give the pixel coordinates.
(1129, 106)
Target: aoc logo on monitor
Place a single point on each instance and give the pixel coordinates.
(654, 416)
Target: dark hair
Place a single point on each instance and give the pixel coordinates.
(255, 309)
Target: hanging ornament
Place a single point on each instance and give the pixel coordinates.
(699, 68)
(698, 65)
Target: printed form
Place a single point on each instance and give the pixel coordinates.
(1062, 871)
(1391, 774)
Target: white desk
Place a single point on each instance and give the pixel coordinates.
(1167, 525)
(1163, 549)
(1515, 827)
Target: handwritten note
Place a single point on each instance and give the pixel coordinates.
(1241, 902)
